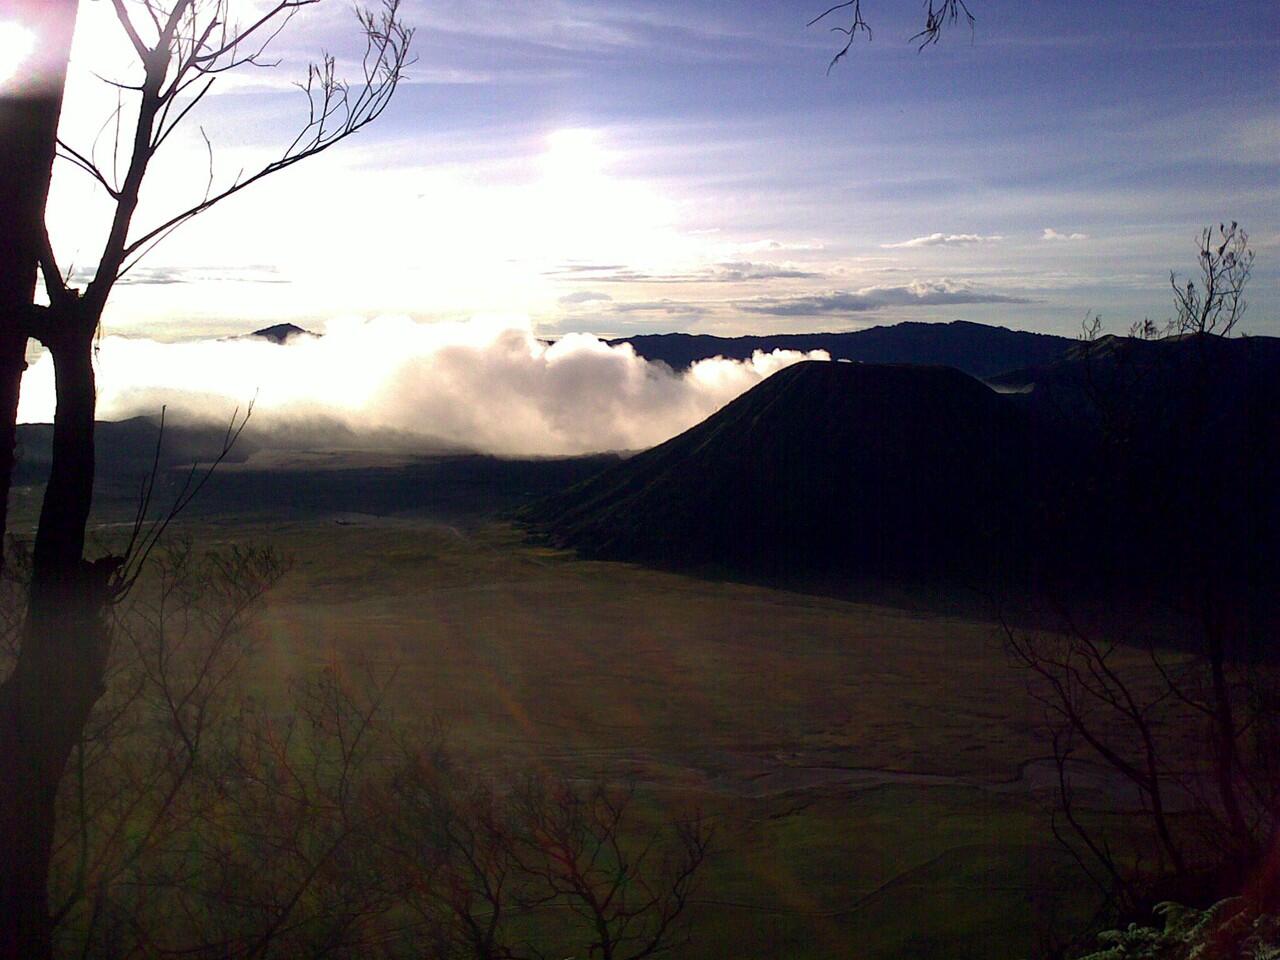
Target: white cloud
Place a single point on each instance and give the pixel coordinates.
(944, 240)
(489, 385)
(1052, 234)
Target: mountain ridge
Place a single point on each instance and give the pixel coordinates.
(978, 349)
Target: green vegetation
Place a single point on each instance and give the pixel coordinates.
(1229, 930)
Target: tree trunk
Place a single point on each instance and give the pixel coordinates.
(69, 494)
(13, 348)
(28, 137)
(44, 706)
(46, 702)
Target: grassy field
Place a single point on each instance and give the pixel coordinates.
(872, 770)
(864, 766)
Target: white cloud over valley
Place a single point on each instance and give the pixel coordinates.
(486, 384)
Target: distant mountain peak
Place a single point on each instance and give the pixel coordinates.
(282, 332)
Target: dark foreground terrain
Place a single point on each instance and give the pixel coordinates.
(875, 771)
(872, 771)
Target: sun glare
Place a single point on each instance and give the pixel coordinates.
(16, 44)
(573, 155)
(584, 209)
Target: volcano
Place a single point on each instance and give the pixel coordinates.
(884, 469)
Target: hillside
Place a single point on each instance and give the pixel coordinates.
(975, 348)
(890, 470)
(1131, 463)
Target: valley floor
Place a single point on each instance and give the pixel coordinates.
(873, 773)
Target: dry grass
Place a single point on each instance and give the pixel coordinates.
(861, 763)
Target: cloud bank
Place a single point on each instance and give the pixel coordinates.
(943, 240)
(918, 293)
(486, 385)
(732, 271)
(1053, 235)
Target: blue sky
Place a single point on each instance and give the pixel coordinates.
(621, 166)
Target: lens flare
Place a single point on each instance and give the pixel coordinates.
(16, 44)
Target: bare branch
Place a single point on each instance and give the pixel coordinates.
(1217, 303)
(946, 12)
(141, 543)
(88, 166)
(938, 14)
(857, 24)
(333, 114)
(139, 46)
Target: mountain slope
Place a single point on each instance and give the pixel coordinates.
(1133, 463)
(891, 470)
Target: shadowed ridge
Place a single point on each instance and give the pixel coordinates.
(1130, 366)
(883, 469)
(1181, 458)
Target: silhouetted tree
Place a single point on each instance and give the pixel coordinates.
(29, 111)
(181, 48)
(1177, 696)
(544, 868)
(207, 814)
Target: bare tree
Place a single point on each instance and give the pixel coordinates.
(182, 47)
(1215, 305)
(1191, 737)
(202, 819)
(450, 842)
(199, 820)
(1173, 694)
(148, 772)
(574, 845)
(546, 868)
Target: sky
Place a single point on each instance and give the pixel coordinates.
(622, 166)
